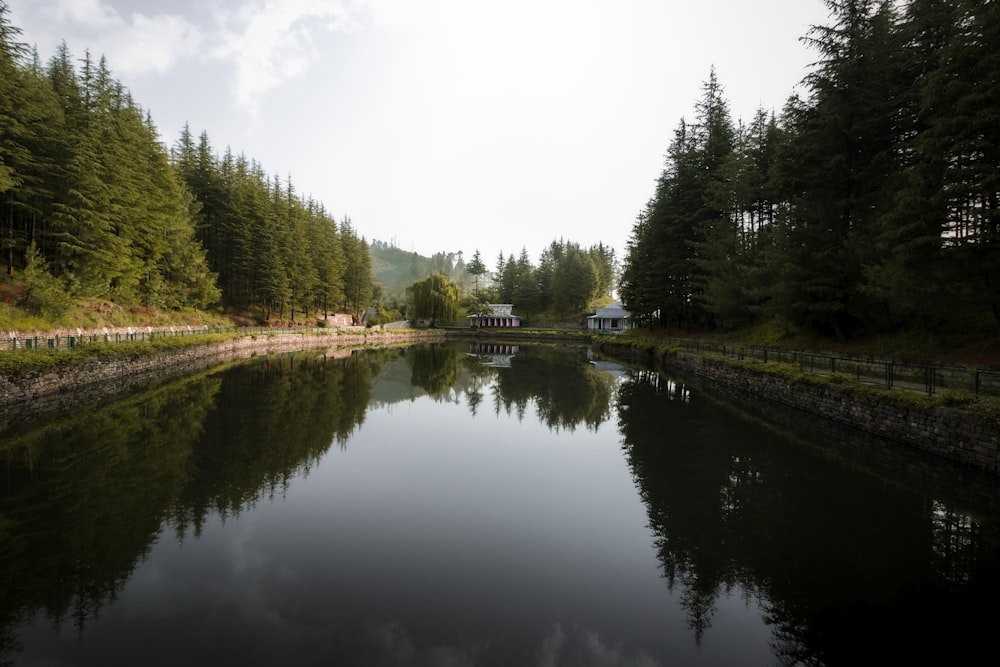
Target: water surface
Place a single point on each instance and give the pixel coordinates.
(447, 505)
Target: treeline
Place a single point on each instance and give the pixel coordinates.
(869, 204)
(270, 248)
(568, 278)
(93, 205)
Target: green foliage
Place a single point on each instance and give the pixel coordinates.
(385, 316)
(477, 269)
(358, 285)
(568, 280)
(479, 305)
(45, 294)
(434, 299)
(115, 216)
(13, 363)
(397, 269)
(867, 206)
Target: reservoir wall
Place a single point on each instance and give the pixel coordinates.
(968, 438)
(34, 395)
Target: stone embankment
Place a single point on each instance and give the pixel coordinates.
(961, 436)
(36, 395)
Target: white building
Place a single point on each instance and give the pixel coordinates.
(500, 315)
(611, 319)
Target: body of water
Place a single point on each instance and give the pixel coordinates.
(444, 505)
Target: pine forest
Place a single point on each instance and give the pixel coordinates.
(868, 205)
(94, 206)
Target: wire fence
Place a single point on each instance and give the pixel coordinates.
(888, 373)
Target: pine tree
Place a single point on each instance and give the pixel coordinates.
(733, 250)
(574, 281)
(663, 273)
(357, 275)
(960, 101)
(838, 171)
(476, 268)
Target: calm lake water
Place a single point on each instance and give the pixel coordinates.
(442, 505)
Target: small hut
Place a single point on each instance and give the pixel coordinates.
(611, 319)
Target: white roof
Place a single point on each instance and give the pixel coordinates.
(499, 310)
(612, 312)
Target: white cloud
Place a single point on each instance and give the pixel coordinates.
(154, 44)
(586, 648)
(273, 41)
(265, 42)
(134, 45)
(91, 14)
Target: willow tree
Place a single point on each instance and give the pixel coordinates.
(435, 298)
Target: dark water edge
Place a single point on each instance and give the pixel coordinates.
(893, 462)
(887, 556)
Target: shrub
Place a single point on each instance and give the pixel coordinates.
(44, 294)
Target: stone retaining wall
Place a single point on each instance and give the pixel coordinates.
(964, 437)
(56, 391)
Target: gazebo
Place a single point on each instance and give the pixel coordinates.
(500, 315)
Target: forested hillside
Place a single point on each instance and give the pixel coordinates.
(868, 204)
(94, 206)
(396, 269)
(567, 281)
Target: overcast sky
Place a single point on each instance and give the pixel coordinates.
(444, 125)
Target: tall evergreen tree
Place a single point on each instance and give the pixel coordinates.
(476, 268)
(663, 273)
(839, 170)
(574, 281)
(960, 104)
(358, 284)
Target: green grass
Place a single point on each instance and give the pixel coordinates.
(16, 363)
(958, 399)
(974, 347)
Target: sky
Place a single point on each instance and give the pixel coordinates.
(444, 125)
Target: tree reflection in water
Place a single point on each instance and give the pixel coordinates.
(846, 560)
(83, 500)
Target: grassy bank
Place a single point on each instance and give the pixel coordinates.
(15, 363)
(99, 314)
(980, 348)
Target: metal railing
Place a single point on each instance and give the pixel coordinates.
(889, 373)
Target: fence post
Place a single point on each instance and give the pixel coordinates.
(888, 375)
(930, 380)
(977, 383)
